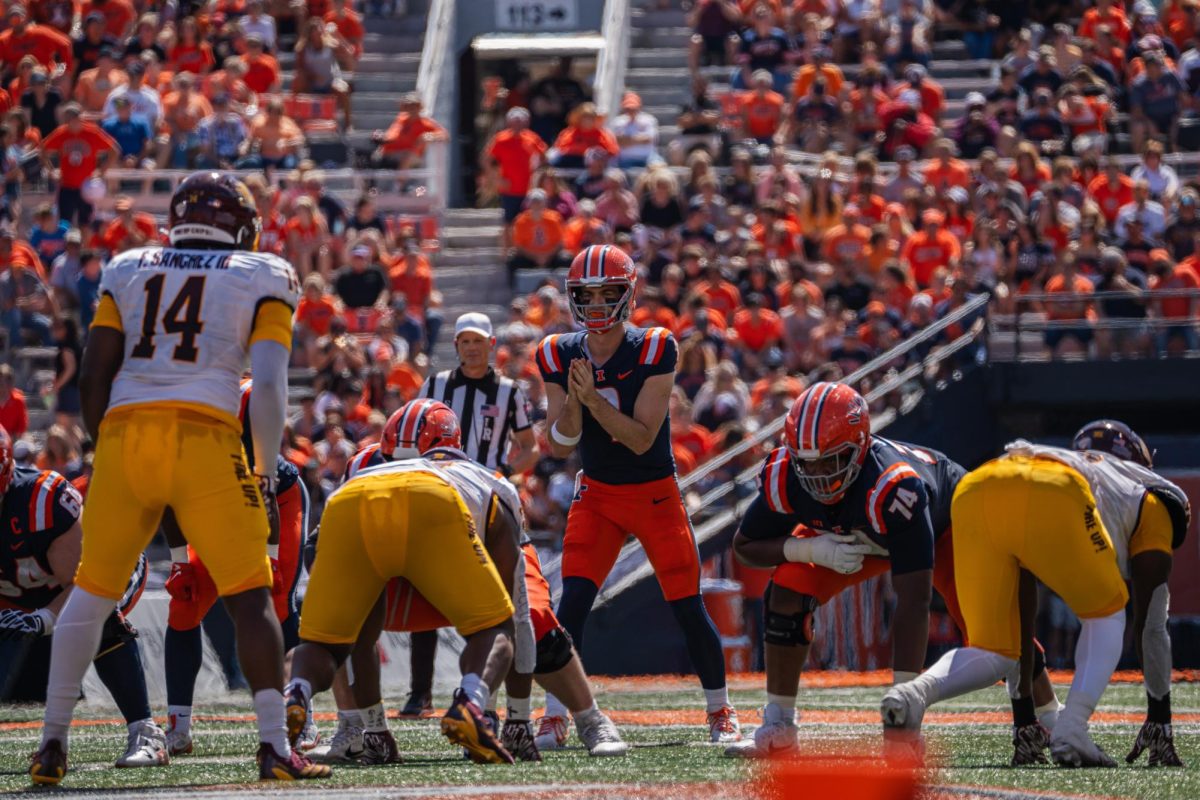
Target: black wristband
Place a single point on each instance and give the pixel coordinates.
(1159, 710)
(1024, 712)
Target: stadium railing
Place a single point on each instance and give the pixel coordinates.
(612, 60)
(892, 382)
(1021, 336)
(436, 77)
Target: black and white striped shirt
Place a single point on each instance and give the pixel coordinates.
(489, 409)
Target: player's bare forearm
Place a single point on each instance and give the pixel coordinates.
(759, 553)
(910, 627)
(101, 361)
(63, 558)
(501, 540)
(563, 413)
(523, 455)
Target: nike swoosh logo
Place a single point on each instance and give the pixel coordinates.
(623, 375)
(658, 500)
(15, 547)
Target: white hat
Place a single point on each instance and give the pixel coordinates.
(474, 322)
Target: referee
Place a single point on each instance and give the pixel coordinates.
(493, 415)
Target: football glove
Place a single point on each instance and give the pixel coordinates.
(181, 584)
(16, 625)
(1029, 745)
(840, 553)
(266, 487)
(1157, 739)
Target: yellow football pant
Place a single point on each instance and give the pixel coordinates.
(153, 456)
(1037, 514)
(412, 525)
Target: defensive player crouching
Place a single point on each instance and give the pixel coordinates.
(607, 389)
(415, 519)
(1077, 521)
(40, 540)
(865, 505)
(193, 592)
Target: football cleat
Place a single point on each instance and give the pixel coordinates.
(1071, 746)
(295, 767)
(517, 738)
(146, 747)
(552, 733)
(777, 735)
(310, 737)
(178, 743)
(49, 764)
(465, 725)
(1159, 741)
(1029, 745)
(297, 714)
(379, 747)
(723, 727)
(346, 745)
(903, 707)
(417, 706)
(600, 736)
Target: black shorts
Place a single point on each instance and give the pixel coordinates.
(1056, 335)
(511, 203)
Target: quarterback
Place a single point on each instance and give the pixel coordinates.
(159, 379)
(1078, 520)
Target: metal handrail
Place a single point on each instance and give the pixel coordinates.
(435, 84)
(613, 59)
(972, 306)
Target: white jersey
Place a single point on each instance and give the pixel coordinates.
(187, 317)
(1119, 487)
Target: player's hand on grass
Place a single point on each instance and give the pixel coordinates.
(181, 584)
(16, 625)
(1029, 745)
(1158, 741)
(840, 553)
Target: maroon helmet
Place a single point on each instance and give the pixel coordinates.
(213, 210)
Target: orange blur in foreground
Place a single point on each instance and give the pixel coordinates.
(844, 779)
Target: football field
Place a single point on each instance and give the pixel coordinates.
(968, 749)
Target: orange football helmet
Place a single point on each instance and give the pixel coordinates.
(601, 265)
(418, 427)
(827, 434)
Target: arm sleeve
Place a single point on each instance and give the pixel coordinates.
(1156, 645)
(268, 401)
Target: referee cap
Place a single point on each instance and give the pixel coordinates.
(474, 322)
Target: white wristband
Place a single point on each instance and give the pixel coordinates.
(273, 552)
(179, 554)
(798, 550)
(561, 438)
(48, 618)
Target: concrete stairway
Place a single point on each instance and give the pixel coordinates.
(469, 272)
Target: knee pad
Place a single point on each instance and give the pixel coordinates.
(554, 651)
(790, 630)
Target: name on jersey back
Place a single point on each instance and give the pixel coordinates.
(165, 258)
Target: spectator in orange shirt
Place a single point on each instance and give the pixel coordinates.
(720, 295)
(1182, 312)
(119, 16)
(14, 415)
(944, 170)
(307, 236)
(1112, 190)
(403, 144)
(820, 66)
(349, 27)
(846, 243)
(191, 53)
(1106, 12)
(22, 38)
(761, 109)
(759, 329)
(510, 159)
(930, 247)
(584, 229)
(314, 312)
(537, 238)
(583, 132)
(262, 69)
(650, 311)
(81, 147)
(129, 229)
(1069, 339)
(933, 97)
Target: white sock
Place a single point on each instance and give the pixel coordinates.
(1096, 655)
(351, 716)
(476, 690)
(785, 702)
(1048, 714)
(374, 718)
(581, 717)
(961, 671)
(304, 686)
(180, 719)
(272, 720)
(491, 701)
(555, 707)
(716, 699)
(519, 708)
(72, 649)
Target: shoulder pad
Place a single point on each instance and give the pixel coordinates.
(1178, 506)
(49, 493)
(360, 460)
(273, 277)
(774, 479)
(887, 484)
(656, 343)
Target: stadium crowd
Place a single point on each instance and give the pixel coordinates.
(771, 271)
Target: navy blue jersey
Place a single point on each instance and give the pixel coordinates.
(369, 456)
(644, 353)
(900, 503)
(38, 507)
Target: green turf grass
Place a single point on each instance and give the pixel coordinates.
(970, 753)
